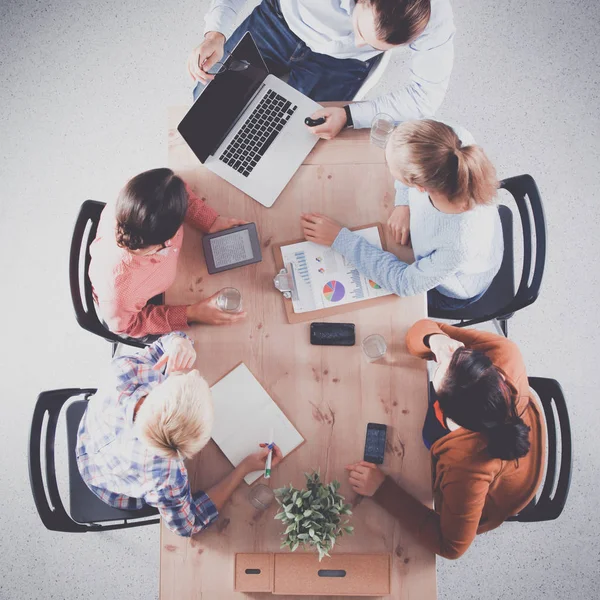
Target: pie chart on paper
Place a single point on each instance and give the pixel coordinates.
(334, 291)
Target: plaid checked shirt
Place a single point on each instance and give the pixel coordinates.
(116, 465)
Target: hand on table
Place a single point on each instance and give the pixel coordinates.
(257, 461)
(399, 224)
(222, 223)
(207, 311)
(204, 56)
(443, 346)
(365, 477)
(335, 121)
(179, 356)
(319, 228)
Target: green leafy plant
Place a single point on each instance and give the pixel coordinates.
(314, 515)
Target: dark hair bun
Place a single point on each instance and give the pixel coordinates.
(126, 239)
(509, 440)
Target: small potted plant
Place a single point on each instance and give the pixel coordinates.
(314, 516)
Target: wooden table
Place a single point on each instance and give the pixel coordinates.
(328, 393)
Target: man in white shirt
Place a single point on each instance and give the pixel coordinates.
(328, 47)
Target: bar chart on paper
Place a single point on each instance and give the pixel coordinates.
(324, 278)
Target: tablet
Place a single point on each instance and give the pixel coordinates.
(231, 248)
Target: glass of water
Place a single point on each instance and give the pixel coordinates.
(230, 300)
(261, 496)
(381, 129)
(374, 347)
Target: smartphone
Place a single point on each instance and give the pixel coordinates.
(332, 334)
(375, 443)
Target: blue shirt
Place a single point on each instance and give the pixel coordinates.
(118, 467)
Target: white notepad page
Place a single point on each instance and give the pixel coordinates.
(244, 417)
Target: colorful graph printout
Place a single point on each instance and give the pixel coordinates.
(334, 291)
(323, 278)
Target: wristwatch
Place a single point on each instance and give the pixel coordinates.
(349, 122)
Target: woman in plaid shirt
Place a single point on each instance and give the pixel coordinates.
(141, 426)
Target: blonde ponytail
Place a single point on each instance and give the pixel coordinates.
(430, 155)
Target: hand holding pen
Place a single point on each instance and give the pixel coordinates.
(257, 461)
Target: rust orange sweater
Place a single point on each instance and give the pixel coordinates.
(473, 492)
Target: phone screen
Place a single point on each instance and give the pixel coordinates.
(375, 443)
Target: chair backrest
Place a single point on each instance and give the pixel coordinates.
(375, 74)
(46, 496)
(500, 300)
(551, 499)
(528, 200)
(81, 286)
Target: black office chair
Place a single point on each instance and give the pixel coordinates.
(87, 512)
(500, 301)
(551, 499)
(81, 286)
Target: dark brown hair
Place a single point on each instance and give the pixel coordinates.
(150, 209)
(476, 395)
(400, 21)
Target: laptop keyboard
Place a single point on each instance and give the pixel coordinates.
(258, 132)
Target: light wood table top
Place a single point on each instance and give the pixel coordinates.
(329, 393)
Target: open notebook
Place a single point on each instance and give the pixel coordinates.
(244, 417)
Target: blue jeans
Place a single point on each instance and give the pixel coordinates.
(318, 76)
(437, 300)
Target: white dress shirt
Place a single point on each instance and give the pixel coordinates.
(325, 26)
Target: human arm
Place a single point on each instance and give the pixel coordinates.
(206, 219)
(219, 24)
(504, 353)
(123, 319)
(184, 513)
(221, 16)
(221, 492)
(139, 369)
(448, 533)
(432, 58)
(389, 271)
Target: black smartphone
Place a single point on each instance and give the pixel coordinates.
(375, 443)
(332, 334)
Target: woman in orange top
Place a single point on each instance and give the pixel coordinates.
(488, 452)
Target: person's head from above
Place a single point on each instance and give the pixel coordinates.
(385, 24)
(149, 210)
(429, 156)
(175, 419)
(474, 393)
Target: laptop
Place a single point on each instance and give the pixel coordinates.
(247, 126)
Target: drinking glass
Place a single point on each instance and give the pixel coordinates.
(261, 496)
(374, 347)
(381, 129)
(230, 300)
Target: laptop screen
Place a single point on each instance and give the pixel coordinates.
(213, 114)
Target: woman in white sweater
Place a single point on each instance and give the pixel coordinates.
(445, 190)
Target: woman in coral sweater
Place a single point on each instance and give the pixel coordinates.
(486, 436)
(135, 255)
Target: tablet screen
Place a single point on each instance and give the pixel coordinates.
(232, 248)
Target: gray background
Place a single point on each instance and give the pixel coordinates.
(82, 108)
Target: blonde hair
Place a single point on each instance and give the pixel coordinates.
(176, 417)
(430, 155)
